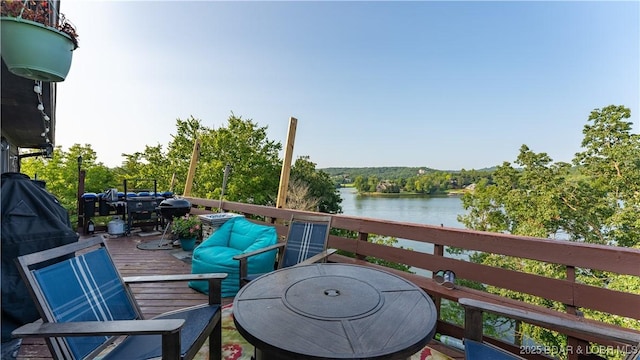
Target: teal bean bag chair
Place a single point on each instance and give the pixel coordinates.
(236, 236)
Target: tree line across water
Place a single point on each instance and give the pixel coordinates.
(414, 180)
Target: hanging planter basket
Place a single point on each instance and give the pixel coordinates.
(35, 51)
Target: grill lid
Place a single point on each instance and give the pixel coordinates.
(174, 207)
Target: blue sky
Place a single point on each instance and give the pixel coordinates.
(445, 85)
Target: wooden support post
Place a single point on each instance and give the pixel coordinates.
(192, 168)
(173, 182)
(362, 236)
(225, 178)
(286, 164)
(438, 250)
(572, 342)
(81, 219)
(473, 324)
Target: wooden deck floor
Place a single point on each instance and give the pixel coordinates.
(154, 299)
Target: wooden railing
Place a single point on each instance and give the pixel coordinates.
(570, 255)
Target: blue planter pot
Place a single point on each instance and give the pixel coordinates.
(188, 244)
(34, 51)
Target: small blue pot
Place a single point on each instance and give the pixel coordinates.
(188, 244)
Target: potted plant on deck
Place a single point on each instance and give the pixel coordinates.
(37, 42)
(187, 229)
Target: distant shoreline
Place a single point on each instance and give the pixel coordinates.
(456, 192)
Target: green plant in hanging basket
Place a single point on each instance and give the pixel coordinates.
(37, 43)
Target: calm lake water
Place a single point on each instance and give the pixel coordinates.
(439, 211)
(419, 209)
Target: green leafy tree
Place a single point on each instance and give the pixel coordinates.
(319, 185)
(141, 169)
(359, 183)
(253, 159)
(255, 166)
(610, 162)
(523, 201)
(180, 151)
(596, 201)
(60, 174)
(299, 197)
(372, 183)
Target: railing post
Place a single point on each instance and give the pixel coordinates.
(573, 343)
(438, 250)
(362, 237)
(473, 324)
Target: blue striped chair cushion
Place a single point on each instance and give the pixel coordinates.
(475, 350)
(85, 288)
(150, 346)
(304, 241)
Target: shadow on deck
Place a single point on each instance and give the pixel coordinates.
(156, 298)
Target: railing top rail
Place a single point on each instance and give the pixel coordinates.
(591, 256)
(567, 290)
(619, 260)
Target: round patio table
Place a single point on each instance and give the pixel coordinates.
(334, 311)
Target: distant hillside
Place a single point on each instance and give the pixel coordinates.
(389, 173)
(381, 172)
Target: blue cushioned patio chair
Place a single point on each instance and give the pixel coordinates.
(306, 243)
(235, 237)
(85, 305)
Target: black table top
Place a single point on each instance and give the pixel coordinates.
(334, 311)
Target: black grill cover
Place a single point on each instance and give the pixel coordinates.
(32, 220)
